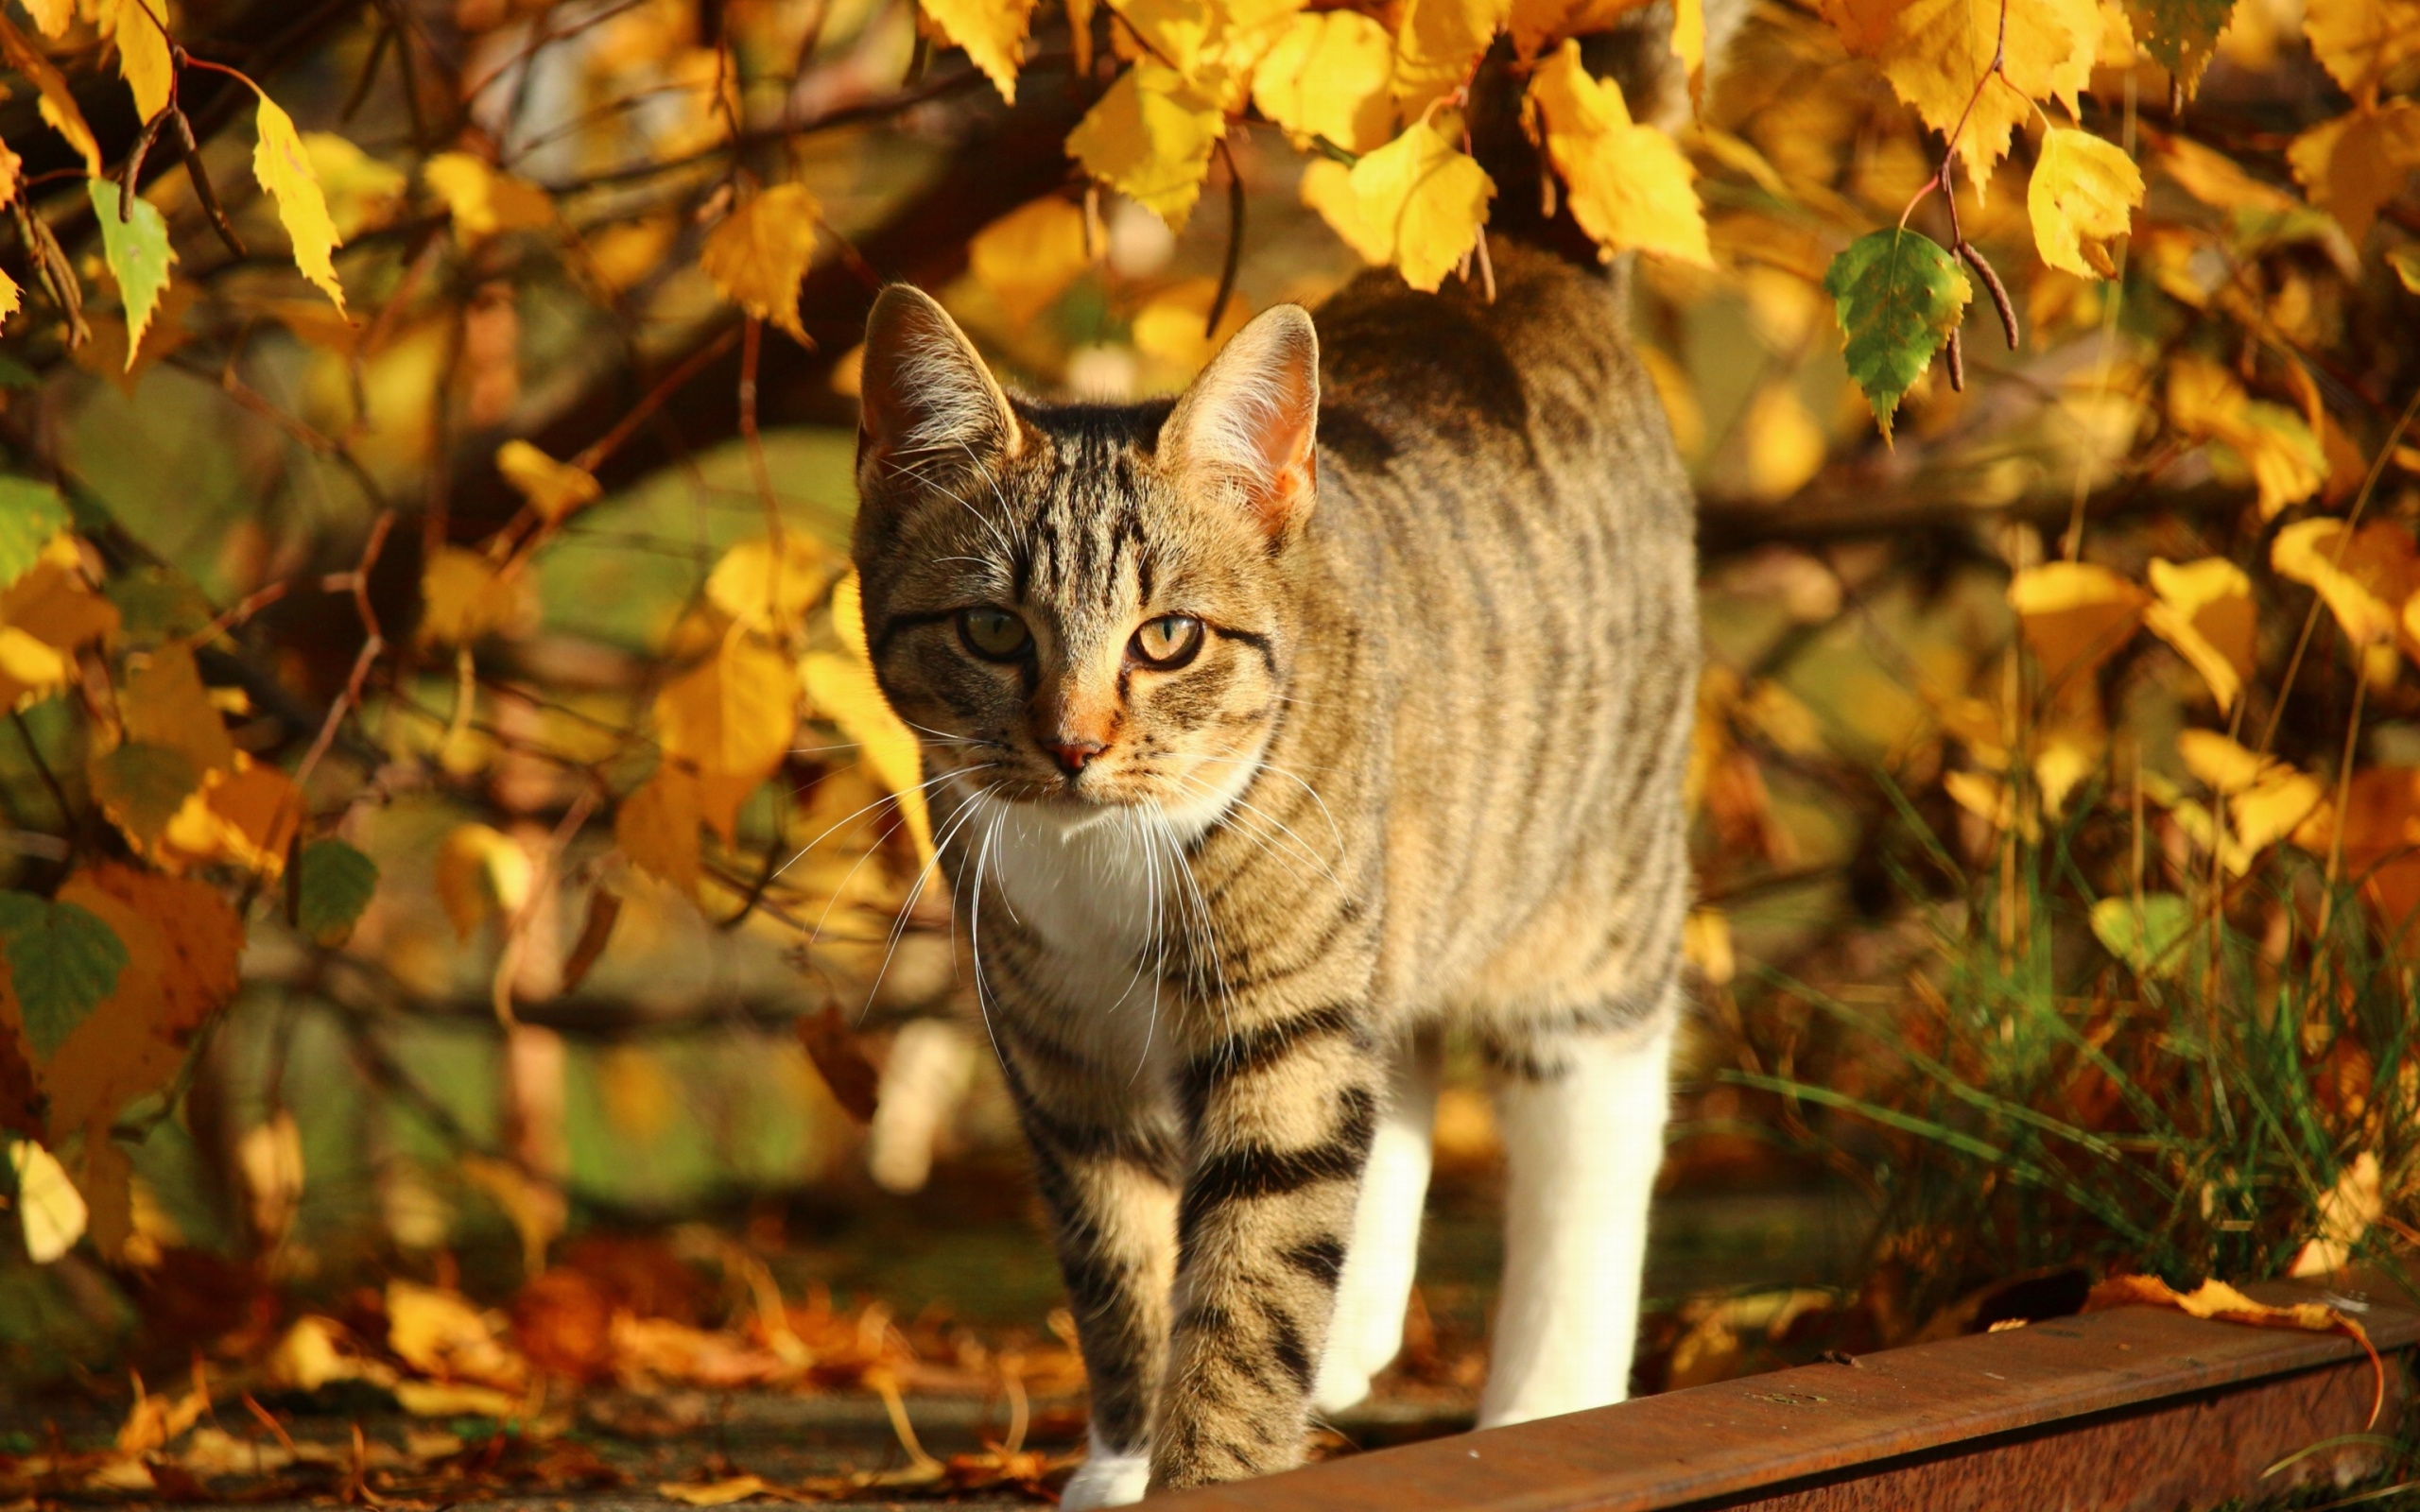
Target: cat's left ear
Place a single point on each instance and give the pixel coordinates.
(1248, 428)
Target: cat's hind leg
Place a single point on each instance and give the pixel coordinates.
(1366, 1330)
(1582, 1104)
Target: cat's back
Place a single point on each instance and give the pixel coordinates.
(1506, 511)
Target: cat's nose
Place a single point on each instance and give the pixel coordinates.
(1071, 755)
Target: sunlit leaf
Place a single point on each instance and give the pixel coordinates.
(2354, 165)
(2366, 44)
(1150, 137)
(62, 961)
(480, 871)
(51, 1212)
(1330, 75)
(761, 250)
(2365, 576)
(466, 597)
(2204, 611)
(51, 17)
(993, 33)
(2075, 615)
(483, 201)
(56, 101)
(141, 787)
(1029, 256)
(1425, 198)
(656, 826)
(138, 253)
(1630, 185)
(2082, 193)
(842, 688)
(142, 54)
(2206, 402)
(1936, 54)
(1897, 294)
(2347, 1210)
(1438, 45)
(768, 592)
(732, 714)
(284, 169)
(553, 489)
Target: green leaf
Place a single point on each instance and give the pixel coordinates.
(1898, 295)
(157, 604)
(2181, 34)
(62, 961)
(2147, 939)
(141, 786)
(30, 514)
(138, 253)
(332, 886)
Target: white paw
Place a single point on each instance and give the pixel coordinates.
(1339, 1385)
(1107, 1480)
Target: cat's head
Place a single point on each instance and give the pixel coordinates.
(1084, 607)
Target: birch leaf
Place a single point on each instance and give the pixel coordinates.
(143, 58)
(2203, 609)
(1150, 137)
(62, 961)
(761, 250)
(1425, 199)
(1897, 294)
(553, 489)
(1329, 75)
(2182, 35)
(55, 103)
(1936, 53)
(1630, 185)
(282, 165)
(138, 255)
(841, 687)
(2083, 192)
(991, 32)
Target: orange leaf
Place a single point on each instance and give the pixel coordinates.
(2221, 1304)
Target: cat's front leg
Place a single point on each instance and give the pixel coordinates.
(1281, 1112)
(1108, 1174)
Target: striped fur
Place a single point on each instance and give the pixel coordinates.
(1423, 772)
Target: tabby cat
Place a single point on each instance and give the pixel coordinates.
(1273, 731)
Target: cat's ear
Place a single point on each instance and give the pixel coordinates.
(1247, 427)
(924, 391)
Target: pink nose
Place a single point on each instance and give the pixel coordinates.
(1072, 755)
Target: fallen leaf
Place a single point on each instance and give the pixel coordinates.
(761, 250)
(2074, 615)
(2083, 192)
(2216, 1300)
(2203, 609)
(440, 1334)
(51, 1212)
(2347, 1210)
(715, 1493)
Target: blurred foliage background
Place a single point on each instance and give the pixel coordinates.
(449, 702)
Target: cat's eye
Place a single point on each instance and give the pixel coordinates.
(993, 633)
(1167, 642)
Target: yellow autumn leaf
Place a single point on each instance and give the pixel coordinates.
(1327, 187)
(363, 191)
(1937, 52)
(1150, 138)
(2082, 193)
(2346, 1213)
(841, 687)
(1329, 75)
(51, 1212)
(2266, 796)
(51, 17)
(553, 489)
(479, 871)
(716, 1493)
(766, 593)
(143, 59)
(2352, 165)
(1179, 33)
(2365, 578)
(2203, 609)
(12, 298)
(2365, 45)
(733, 716)
(1425, 199)
(484, 201)
(1438, 45)
(2206, 402)
(1029, 257)
(1786, 443)
(656, 826)
(56, 101)
(2218, 181)
(761, 250)
(465, 595)
(1705, 942)
(2074, 615)
(1630, 185)
(990, 31)
(284, 169)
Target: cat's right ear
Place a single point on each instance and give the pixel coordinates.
(924, 394)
